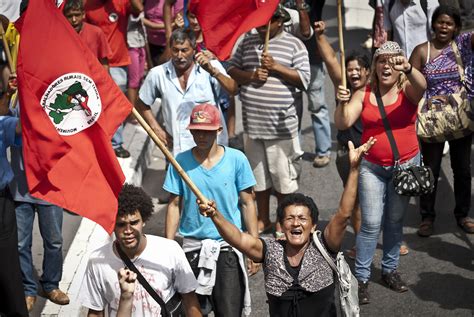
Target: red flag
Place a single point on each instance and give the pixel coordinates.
(70, 108)
(223, 21)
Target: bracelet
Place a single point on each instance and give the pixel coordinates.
(408, 72)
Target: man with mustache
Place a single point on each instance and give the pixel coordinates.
(187, 80)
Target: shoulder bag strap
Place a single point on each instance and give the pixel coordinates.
(142, 280)
(388, 130)
(458, 61)
(324, 252)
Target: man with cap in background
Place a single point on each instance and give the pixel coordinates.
(222, 174)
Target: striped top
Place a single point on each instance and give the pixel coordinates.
(269, 110)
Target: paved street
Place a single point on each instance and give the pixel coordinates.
(439, 270)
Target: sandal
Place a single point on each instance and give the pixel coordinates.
(466, 224)
(404, 250)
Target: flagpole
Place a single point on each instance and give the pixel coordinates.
(341, 43)
(267, 37)
(5, 48)
(169, 156)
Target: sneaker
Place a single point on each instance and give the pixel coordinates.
(57, 296)
(321, 161)
(121, 152)
(426, 228)
(363, 293)
(30, 302)
(394, 282)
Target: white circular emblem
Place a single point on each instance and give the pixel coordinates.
(72, 103)
(113, 17)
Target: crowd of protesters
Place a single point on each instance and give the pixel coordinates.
(154, 50)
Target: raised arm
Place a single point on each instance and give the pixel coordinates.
(349, 108)
(416, 85)
(334, 232)
(127, 281)
(244, 242)
(327, 53)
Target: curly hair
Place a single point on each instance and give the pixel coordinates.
(298, 199)
(133, 198)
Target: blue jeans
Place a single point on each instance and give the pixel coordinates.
(119, 75)
(50, 219)
(381, 208)
(319, 110)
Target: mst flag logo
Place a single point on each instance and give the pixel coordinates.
(72, 102)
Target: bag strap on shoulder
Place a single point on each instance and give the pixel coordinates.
(142, 280)
(459, 62)
(323, 251)
(388, 129)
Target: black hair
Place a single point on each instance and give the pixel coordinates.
(298, 200)
(450, 11)
(133, 198)
(361, 58)
(73, 5)
(181, 35)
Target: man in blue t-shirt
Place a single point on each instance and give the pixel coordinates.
(224, 175)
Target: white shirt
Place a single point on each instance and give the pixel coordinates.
(162, 263)
(410, 25)
(177, 104)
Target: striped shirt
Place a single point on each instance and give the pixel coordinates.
(269, 110)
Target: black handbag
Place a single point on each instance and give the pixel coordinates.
(411, 180)
(172, 308)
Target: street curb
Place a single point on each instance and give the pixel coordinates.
(91, 236)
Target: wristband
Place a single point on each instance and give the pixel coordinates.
(408, 72)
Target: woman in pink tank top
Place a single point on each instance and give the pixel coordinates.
(401, 87)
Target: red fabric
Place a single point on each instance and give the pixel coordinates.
(78, 172)
(401, 116)
(112, 17)
(95, 39)
(222, 22)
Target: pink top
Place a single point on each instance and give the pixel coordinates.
(154, 12)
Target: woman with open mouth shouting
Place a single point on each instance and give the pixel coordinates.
(401, 87)
(298, 280)
(436, 59)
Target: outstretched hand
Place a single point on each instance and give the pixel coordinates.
(355, 155)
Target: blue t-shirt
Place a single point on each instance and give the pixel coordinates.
(222, 183)
(8, 137)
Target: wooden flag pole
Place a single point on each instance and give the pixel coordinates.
(341, 43)
(6, 49)
(267, 37)
(169, 156)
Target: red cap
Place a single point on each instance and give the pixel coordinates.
(205, 117)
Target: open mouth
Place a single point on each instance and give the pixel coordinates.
(296, 232)
(386, 74)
